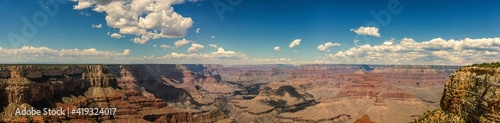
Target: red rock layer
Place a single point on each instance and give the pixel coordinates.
(95, 86)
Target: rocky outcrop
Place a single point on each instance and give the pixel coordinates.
(138, 97)
(41, 86)
(470, 95)
(3, 93)
(270, 102)
(364, 119)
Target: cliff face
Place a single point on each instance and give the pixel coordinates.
(248, 75)
(3, 93)
(471, 94)
(138, 92)
(45, 86)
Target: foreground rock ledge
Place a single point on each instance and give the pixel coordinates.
(471, 94)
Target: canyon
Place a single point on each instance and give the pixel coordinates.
(220, 93)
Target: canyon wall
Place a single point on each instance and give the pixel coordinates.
(137, 91)
(471, 94)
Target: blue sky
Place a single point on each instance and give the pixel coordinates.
(247, 32)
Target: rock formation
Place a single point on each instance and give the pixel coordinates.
(98, 86)
(364, 119)
(216, 93)
(470, 95)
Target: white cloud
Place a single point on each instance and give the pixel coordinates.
(277, 48)
(126, 52)
(213, 37)
(164, 46)
(195, 48)
(117, 36)
(371, 31)
(148, 19)
(155, 45)
(435, 51)
(223, 54)
(198, 30)
(295, 42)
(30, 52)
(180, 43)
(323, 47)
(91, 52)
(213, 45)
(96, 26)
(218, 55)
(295, 51)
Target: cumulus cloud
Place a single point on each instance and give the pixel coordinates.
(371, 31)
(294, 43)
(147, 19)
(213, 37)
(28, 51)
(164, 46)
(180, 43)
(219, 54)
(435, 51)
(198, 30)
(223, 54)
(117, 36)
(126, 52)
(213, 45)
(277, 48)
(91, 52)
(96, 26)
(45, 52)
(28, 54)
(195, 48)
(323, 47)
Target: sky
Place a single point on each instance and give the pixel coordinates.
(412, 32)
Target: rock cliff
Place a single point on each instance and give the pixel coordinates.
(139, 93)
(471, 94)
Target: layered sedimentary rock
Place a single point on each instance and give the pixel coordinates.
(248, 75)
(96, 86)
(216, 93)
(470, 95)
(271, 101)
(42, 86)
(344, 93)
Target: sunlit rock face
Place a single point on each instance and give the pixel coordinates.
(137, 95)
(470, 95)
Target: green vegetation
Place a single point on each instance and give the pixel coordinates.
(492, 64)
(440, 116)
